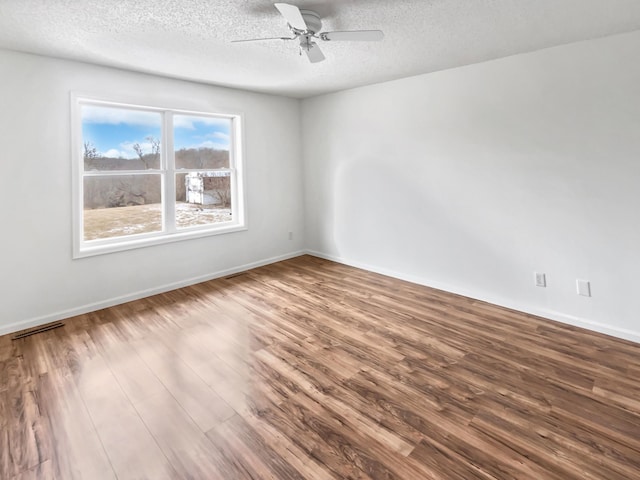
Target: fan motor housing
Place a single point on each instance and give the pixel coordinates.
(312, 19)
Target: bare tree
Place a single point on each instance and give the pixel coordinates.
(149, 160)
(124, 194)
(202, 157)
(155, 145)
(222, 188)
(140, 152)
(90, 156)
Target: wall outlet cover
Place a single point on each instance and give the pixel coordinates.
(584, 287)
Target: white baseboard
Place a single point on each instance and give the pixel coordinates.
(502, 302)
(532, 310)
(91, 307)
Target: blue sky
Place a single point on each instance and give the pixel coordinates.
(114, 131)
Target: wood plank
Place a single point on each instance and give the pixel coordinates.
(132, 450)
(76, 450)
(237, 441)
(182, 441)
(311, 369)
(204, 406)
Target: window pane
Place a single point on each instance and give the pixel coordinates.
(202, 198)
(201, 142)
(121, 205)
(120, 139)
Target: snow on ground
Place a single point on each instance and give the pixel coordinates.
(122, 221)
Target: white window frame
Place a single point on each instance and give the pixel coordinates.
(83, 248)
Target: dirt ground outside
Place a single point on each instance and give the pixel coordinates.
(102, 223)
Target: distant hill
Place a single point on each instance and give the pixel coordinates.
(118, 191)
(187, 158)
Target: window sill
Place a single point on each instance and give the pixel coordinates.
(88, 250)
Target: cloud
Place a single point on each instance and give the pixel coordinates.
(126, 150)
(116, 116)
(220, 135)
(209, 144)
(189, 122)
(114, 153)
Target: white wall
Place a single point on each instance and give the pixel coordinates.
(470, 179)
(39, 281)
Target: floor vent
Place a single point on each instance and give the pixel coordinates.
(44, 328)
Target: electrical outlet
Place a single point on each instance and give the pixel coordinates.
(540, 279)
(290, 235)
(584, 287)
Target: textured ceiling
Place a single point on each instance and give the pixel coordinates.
(190, 39)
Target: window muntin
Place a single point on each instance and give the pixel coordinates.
(147, 175)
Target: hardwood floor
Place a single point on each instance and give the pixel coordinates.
(307, 369)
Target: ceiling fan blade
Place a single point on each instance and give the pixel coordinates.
(292, 15)
(314, 53)
(261, 39)
(353, 36)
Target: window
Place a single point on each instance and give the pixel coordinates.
(146, 175)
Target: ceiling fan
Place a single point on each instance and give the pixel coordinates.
(305, 26)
